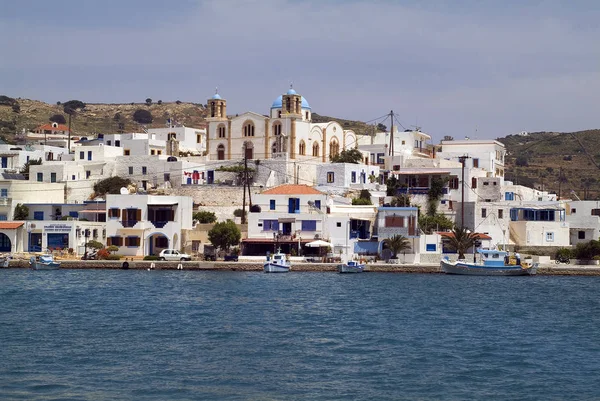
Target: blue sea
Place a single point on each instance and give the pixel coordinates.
(206, 335)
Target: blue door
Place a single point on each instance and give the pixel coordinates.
(210, 177)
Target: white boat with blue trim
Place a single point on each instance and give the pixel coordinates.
(492, 263)
(351, 266)
(43, 262)
(277, 263)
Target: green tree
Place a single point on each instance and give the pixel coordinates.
(361, 201)
(397, 244)
(353, 156)
(148, 101)
(111, 185)
(21, 212)
(392, 184)
(58, 118)
(205, 217)
(381, 127)
(434, 194)
(74, 105)
(95, 245)
(438, 222)
(224, 235)
(461, 240)
(112, 249)
(142, 116)
(239, 212)
(401, 200)
(31, 162)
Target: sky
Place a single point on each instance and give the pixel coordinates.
(476, 68)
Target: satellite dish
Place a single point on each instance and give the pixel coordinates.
(124, 191)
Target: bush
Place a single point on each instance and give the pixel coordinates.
(142, 116)
(58, 118)
(361, 201)
(111, 185)
(159, 102)
(239, 212)
(95, 244)
(112, 248)
(103, 254)
(151, 257)
(563, 253)
(522, 161)
(113, 257)
(205, 217)
(148, 101)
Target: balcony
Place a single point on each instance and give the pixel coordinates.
(129, 223)
(159, 223)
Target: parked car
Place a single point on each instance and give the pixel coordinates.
(173, 254)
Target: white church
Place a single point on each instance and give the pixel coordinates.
(286, 133)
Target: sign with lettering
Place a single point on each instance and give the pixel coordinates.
(57, 228)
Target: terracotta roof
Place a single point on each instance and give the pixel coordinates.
(10, 225)
(478, 235)
(49, 127)
(292, 189)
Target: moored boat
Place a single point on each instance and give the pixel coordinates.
(351, 266)
(493, 263)
(4, 260)
(43, 262)
(277, 263)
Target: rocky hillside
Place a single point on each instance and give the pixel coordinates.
(556, 161)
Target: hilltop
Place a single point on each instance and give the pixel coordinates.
(553, 161)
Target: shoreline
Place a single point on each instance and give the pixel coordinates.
(545, 270)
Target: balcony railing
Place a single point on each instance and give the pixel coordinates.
(129, 223)
(159, 223)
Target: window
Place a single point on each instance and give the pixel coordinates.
(475, 163)
(353, 177)
(144, 170)
(483, 213)
(302, 148)
(500, 213)
(595, 212)
(486, 183)
(114, 212)
(38, 215)
(453, 183)
(81, 155)
(132, 241)
(221, 131)
(309, 225)
(549, 237)
(474, 182)
(318, 204)
(88, 173)
(118, 241)
(152, 152)
(52, 177)
(334, 147)
(573, 211)
(159, 152)
(40, 177)
(73, 177)
(294, 205)
(403, 142)
(270, 225)
(338, 224)
(248, 129)
(3, 217)
(126, 152)
(380, 158)
(108, 142)
(330, 177)
(198, 138)
(509, 196)
(272, 204)
(89, 155)
(315, 149)
(430, 247)
(117, 143)
(4, 192)
(394, 221)
(73, 214)
(581, 235)
(130, 169)
(167, 177)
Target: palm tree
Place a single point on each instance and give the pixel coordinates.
(396, 244)
(461, 240)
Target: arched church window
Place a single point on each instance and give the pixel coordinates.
(249, 129)
(212, 109)
(221, 131)
(334, 147)
(315, 149)
(221, 152)
(302, 148)
(277, 128)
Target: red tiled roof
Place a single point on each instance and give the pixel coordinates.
(478, 235)
(10, 225)
(292, 189)
(49, 127)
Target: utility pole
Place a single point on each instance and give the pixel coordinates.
(247, 183)
(391, 151)
(245, 179)
(69, 144)
(462, 160)
(559, 181)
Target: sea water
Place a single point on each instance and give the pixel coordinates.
(193, 335)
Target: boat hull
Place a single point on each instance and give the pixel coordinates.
(344, 268)
(481, 270)
(275, 268)
(44, 266)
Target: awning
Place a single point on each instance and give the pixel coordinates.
(10, 225)
(420, 172)
(286, 220)
(93, 211)
(162, 203)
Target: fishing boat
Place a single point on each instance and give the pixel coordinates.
(492, 263)
(4, 260)
(277, 263)
(43, 262)
(351, 266)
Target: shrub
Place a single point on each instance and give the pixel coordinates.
(159, 102)
(112, 248)
(148, 101)
(178, 102)
(522, 161)
(142, 116)
(111, 185)
(113, 257)
(103, 254)
(58, 118)
(205, 217)
(361, 201)
(239, 212)
(151, 257)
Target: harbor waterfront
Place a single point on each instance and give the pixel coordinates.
(546, 269)
(221, 335)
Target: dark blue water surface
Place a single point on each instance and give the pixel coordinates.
(188, 335)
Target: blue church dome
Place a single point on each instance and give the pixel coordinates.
(291, 92)
(216, 96)
(277, 103)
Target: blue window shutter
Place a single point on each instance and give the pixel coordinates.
(89, 155)
(309, 225)
(297, 205)
(291, 205)
(272, 204)
(74, 214)
(318, 204)
(4, 192)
